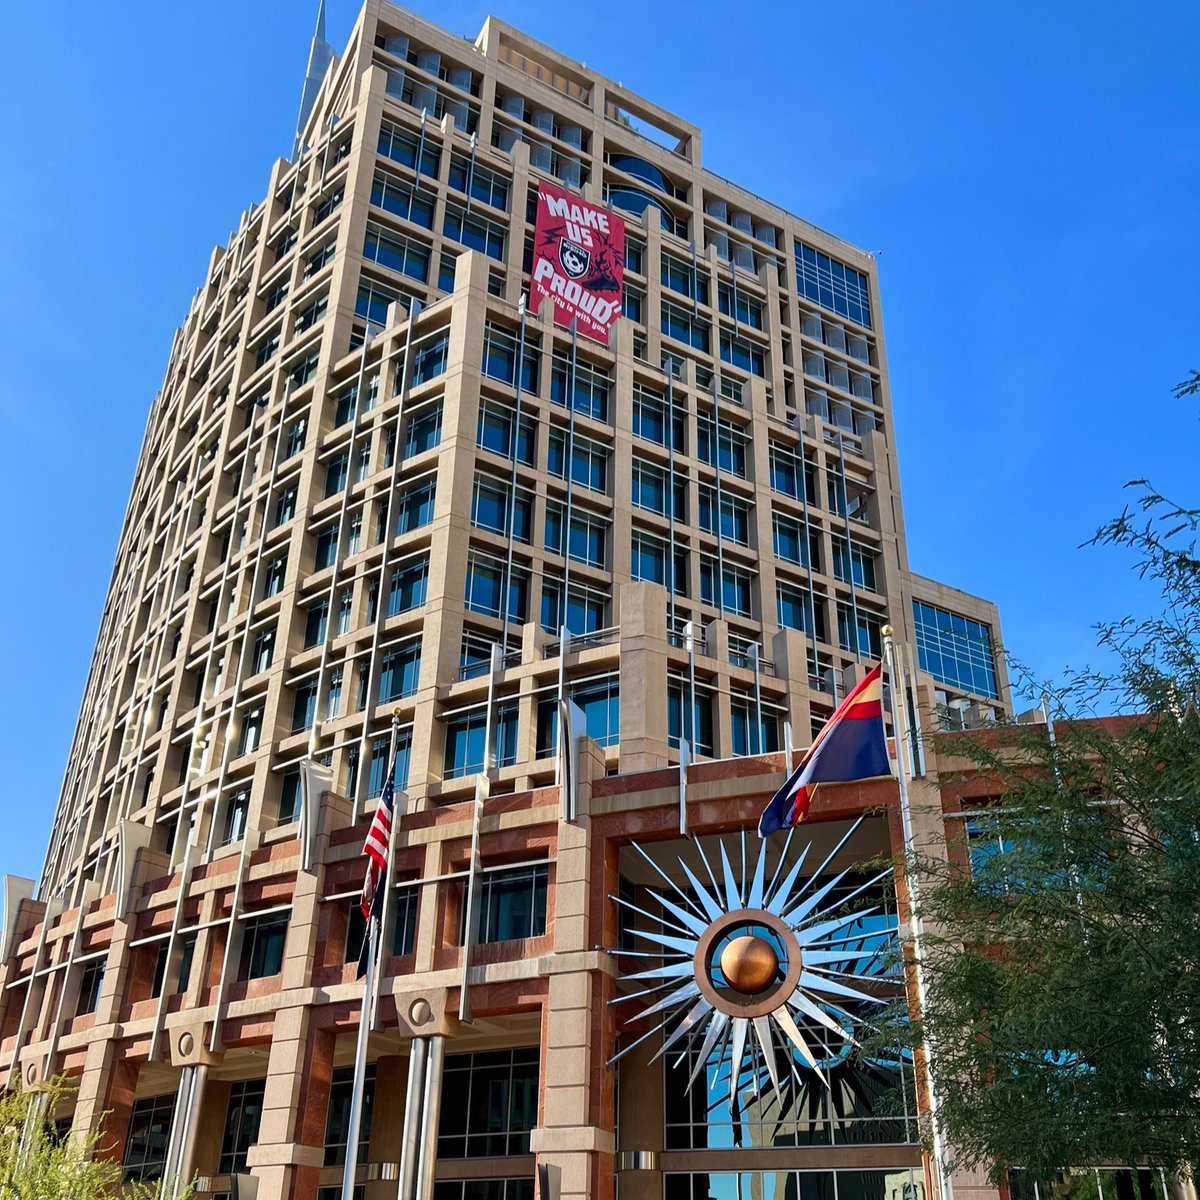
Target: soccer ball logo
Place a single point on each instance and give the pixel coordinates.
(575, 259)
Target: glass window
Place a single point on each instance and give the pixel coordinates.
(289, 798)
(285, 505)
(682, 325)
(729, 450)
(500, 348)
(263, 940)
(789, 542)
(789, 470)
(393, 195)
(423, 430)
(315, 624)
(337, 1120)
(242, 1118)
(589, 461)
(745, 738)
(650, 420)
(276, 575)
(860, 567)
(587, 608)
(479, 182)
(485, 588)
(91, 980)
(683, 277)
(400, 672)
(735, 516)
(336, 472)
(739, 352)
(495, 432)
(588, 537)
(237, 808)
(251, 729)
(329, 205)
(649, 555)
(700, 732)
(304, 707)
(312, 313)
(408, 586)
(397, 253)
(474, 231)
(795, 611)
(403, 147)
(740, 305)
(149, 1135)
(955, 650)
(865, 638)
(430, 357)
(416, 505)
(264, 649)
(601, 704)
(374, 300)
(736, 590)
(465, 735)
(833, 284)
(326, 553)
(592, 386)
(489, 1104)
(512, 904)
(295, 438)
(634, 254)
(490, 508)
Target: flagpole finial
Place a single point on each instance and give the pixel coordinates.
(396, 714)
(888, 631)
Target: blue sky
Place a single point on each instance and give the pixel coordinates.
(1029, 174)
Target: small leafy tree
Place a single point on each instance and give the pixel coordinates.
(37, 1162)
(1063, 968)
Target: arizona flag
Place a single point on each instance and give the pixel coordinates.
(852, 746)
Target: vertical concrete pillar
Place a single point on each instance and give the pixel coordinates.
(299, 1067)
(643, 621)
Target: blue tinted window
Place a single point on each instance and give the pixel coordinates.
(407, 589)
(601, 706)
(955, 650)
(400, 672)
(833, 285)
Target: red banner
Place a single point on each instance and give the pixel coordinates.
(579, 259)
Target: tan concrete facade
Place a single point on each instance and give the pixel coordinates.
(318, 539)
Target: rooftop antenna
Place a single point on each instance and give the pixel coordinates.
(320, 57)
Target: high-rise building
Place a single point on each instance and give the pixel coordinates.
(382, 502)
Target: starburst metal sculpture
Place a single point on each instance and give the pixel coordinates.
(740, 956)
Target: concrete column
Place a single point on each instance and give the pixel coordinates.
(643, 621)
(284, 1161)
(568, 1138)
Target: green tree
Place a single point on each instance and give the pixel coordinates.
(37, 1162)
(1063, 969)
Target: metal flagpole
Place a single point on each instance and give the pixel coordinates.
(689, 636)
(481, 792)
(720, 588)
(754, 654)
(570, 470)
(671, 580)
(515, 447)
(945, 1189)
(814, 661)
(360, 1057)
(849, 545)
(389, 875)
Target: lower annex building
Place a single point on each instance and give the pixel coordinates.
(374, 491)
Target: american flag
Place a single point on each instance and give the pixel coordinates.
(379, 837)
